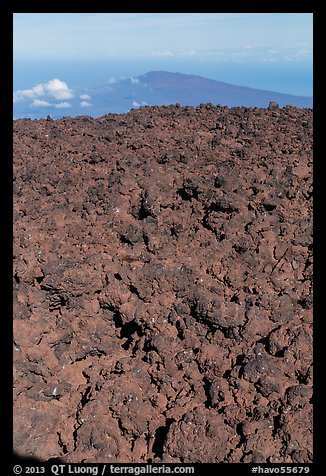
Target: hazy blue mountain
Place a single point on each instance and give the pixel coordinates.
(164, 88)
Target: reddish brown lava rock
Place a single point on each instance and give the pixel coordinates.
(162, 286)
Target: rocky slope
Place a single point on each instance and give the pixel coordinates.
(162, 286)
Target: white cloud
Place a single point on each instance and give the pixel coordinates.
(58, 89)
(85, 104)
(134, 80)
(38, 90)
(54, 88)
(40, 103)
(63, 105)
(135, 103)
(21, 94)
(112, 80)
(84, 96)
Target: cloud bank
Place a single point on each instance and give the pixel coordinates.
(53, 89)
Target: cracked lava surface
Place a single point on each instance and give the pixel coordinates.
(162, 286)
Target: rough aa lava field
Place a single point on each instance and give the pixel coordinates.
(162, 286)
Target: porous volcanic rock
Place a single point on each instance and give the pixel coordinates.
(162, 286)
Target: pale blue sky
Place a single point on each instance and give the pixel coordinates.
(233, 37)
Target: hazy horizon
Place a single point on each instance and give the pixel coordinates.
(288, 79)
